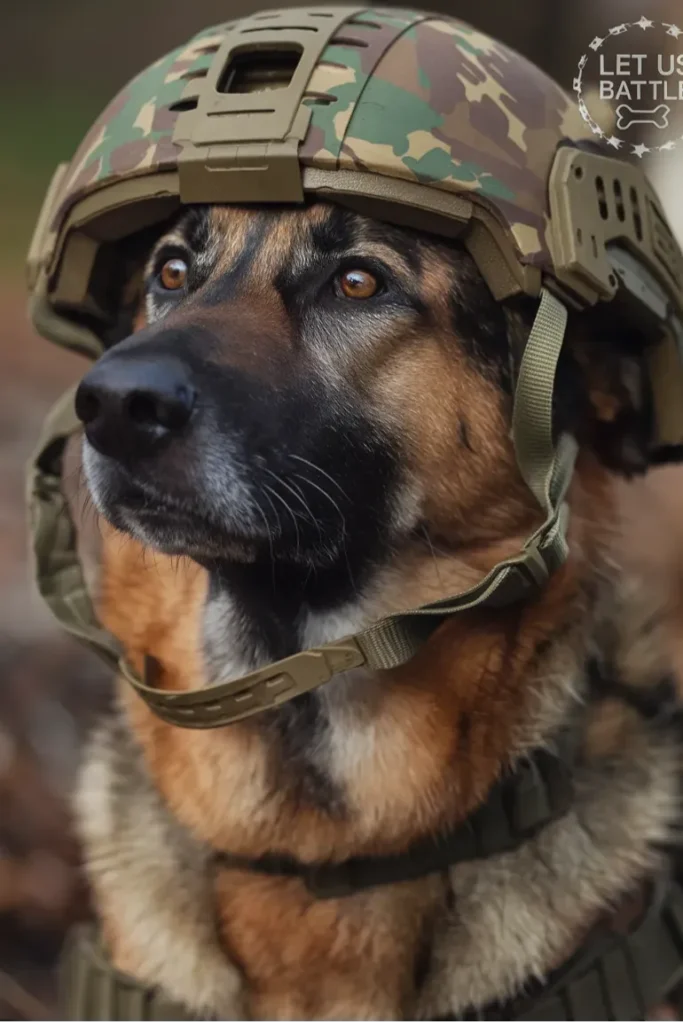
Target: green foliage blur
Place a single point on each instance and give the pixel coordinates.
(44, 131)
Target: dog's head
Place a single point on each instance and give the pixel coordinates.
(314, 388)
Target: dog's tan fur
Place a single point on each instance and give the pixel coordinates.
(413, 751)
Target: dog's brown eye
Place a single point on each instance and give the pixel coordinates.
(358, 284)
(173, 274)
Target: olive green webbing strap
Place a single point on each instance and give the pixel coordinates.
(617, 976)
(90, 988)
(547, 470)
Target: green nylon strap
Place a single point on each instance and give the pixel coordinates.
(617, 977)
(547, 469)
(532, 417)
(90, 988)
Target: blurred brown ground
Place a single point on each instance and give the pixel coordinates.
(59, 64)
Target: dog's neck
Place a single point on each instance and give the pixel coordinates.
(370, 763)
(472, 936)
(261, 612)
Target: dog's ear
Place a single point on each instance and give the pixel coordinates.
(613, 407)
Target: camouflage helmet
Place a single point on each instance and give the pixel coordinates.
(408, 117)
(414, 118)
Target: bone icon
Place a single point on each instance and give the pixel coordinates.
(626, 116)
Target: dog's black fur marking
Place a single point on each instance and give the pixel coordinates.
(325, 474)
(225, 287)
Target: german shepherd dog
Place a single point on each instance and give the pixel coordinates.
(304, 427)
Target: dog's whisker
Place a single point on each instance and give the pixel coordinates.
(314, 518)
(292, 514)
(88, 509)
(328, 496)
(432, 550)
(83, 496)
(312, 465)
(347, 561)
(298, 496)
(268, 530)
(352, 581)
(275, 511)
(76, 473)
(279, 528)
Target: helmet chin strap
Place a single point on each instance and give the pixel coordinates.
(546, 467)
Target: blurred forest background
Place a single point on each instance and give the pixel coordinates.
(60, 62)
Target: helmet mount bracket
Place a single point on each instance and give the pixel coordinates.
(242, 147)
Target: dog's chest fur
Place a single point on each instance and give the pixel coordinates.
(358, 773)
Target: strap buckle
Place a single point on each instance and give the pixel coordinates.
(261, 690)
(533, 566)
(546, 550)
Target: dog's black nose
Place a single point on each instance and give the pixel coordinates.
(129, 405)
